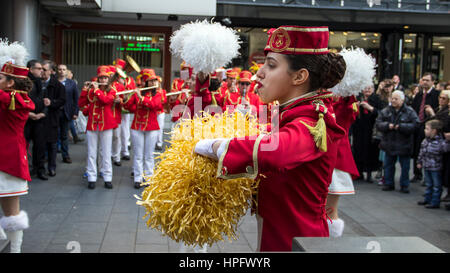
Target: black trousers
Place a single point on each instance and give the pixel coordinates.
(51, 155)
(34, 133)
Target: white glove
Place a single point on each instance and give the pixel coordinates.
(205, 147)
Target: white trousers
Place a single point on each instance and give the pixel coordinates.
(125, 126)
(116, 144)
(105, 139)
(143, 148)
(161, 117)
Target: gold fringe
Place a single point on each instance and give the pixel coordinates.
(12, 105)
(355, 107)
(319, 132)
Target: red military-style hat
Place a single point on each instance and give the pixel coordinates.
(148, 74)
(112, 70)
(231, 74)
(103, 71)
(120, 63)
(14, 70)
(298, 40)
(245, 76)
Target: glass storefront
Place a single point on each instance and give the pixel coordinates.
(85, 50)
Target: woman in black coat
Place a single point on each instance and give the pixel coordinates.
(365, 147)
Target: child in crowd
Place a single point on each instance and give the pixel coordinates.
(430, 158)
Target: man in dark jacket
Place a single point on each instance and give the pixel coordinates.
(54, 99)
(69, 112)
(426, 96)
(397, 123)
(34, 127)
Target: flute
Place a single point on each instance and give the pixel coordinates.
(178, 92)
(133, 90)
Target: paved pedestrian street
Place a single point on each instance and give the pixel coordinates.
(65, 216)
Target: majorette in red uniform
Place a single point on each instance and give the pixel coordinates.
(127, 117)
(100, 126)
(345, 170)
(179, 84)
(15, 106)
(145, 128)
(295, 163)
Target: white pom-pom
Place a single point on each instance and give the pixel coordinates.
(18, 53)
(15, 53)
(205, 46)
(358, 74)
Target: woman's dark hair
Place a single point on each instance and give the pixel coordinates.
(214, 84)
(325, 71)
(23, 84)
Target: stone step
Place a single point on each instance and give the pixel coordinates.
(3, 245)
(363, 245)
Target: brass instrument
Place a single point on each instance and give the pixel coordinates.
(129, 67)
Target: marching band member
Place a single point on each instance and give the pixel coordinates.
(127, 117)
(295, 162)
(214, 87)
(100, 126)
(118, 84)
(250, 100)
(161, 114)
(231, 94)
(345, 170)
(178, 84)
(145, 128)
(229, 85)
(15, 107)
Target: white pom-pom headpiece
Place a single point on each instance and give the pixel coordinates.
(15, 53)
(204, 45)
(358, 74)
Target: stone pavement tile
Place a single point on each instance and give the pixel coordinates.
(98, 196)
(248, 224)
(33, 210)
(36, 241)
(82, 232)
(48, 221)
(90, 213)
(126, 222)
(125, 205)
(150, 236)
(59, 205)
(359, 214)
(69, 191)
(64, 248)
(175, 247)
(252, 239)
(407, 227)
(118, 242)
(381, 229)
(152, 248)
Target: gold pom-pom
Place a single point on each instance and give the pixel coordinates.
(183, 198)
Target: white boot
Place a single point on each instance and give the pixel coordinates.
(14, 226)
(2, 234)
(15, 237)
(336, 228)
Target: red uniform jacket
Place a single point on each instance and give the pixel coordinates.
(117, 109)
(130, 84)
(177, 85)
(145, 111)
(200, 94)
(101, 110)
(13, 159)
(346, 114)
(83, 102)
(294, 174)
(162, 93)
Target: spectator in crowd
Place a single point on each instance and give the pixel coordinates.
(410, 93)
(441, 86)
(69, 111)
(34, 128)
(397, 123)
(430, 159)
(397, 85)
(426, 96)
(54, 100)
(442, 114)
(365, 146)
(385, 89)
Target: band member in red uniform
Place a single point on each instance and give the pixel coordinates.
(127, 117)
(15, 106)
(249, 101)
(118, 84)
(144, 129)
(161, 114)
(229, 84)
(296, 162)
(178, 84)
(100, 126)
(345, 170)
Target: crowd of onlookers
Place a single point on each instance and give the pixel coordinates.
(399, 124)
(55, 96)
